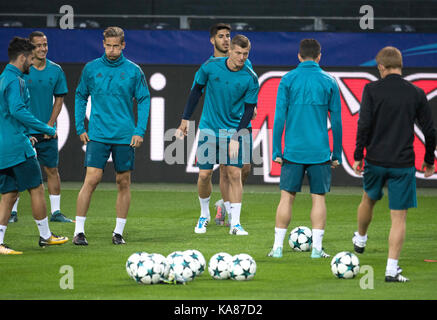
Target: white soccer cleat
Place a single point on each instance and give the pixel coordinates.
(238, 230)
(359, 246)
(201, 225)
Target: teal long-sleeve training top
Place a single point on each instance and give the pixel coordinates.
(16, 120)
(112, 86)
(305, 97)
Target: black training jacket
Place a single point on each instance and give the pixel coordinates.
(389, 109)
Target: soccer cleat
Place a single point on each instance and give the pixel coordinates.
(201, 225)
(52, 240)
(315, 254)
(57, 216)
(359, 246)
(80, 239)
(4, 249)
(117, 239)
(228, 224)
(14, 217)
(275, 253)
(238, 230)
(397, 278)
(221, 212)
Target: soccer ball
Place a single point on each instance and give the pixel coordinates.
(300, 239)
(219, 266)
(132, 262)
(243, 267)
(160, 259)
(180, 267)
(345, 265)
(148, 271)
(199, 262)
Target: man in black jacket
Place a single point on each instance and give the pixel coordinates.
(389, 109)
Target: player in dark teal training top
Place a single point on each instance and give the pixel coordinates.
(306, 97)
(47, 87)
(220, 38)
(231, 93)
(113, 83)
(19, 169)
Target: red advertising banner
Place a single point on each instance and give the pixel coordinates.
(351, 85)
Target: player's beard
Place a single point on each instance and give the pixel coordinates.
(26, 67)
(222, 50)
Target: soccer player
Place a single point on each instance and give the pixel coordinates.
(220, 37)
(46, 80)
(113, 82)
(19, 169)
(305, 98)
(389, 109)
(231, 93)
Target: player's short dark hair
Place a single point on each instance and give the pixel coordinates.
(309, 48)
(389, 57)
(36, 34)
(217, 27)
(241, 41)
(114, 32)
(19, 46)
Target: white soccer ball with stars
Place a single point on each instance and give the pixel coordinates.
(132, 262)
(160, 259)
(219, 266)
(243, 267)
(199, 263)
(345, 265)
(301, 239)
(148, 271)
(180, 268)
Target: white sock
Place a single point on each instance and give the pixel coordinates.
(228, 206)
(204, 207)
(279, 238)
(43, 227)
(80, 225)
(318, 238)
(2, 233)
(119, 225)
(361, 238)
(235, 213)
(392, 267)
(55, 202)
(15, 207)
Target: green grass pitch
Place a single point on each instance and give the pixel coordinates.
(162, 218)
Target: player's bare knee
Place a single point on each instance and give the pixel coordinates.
(91, 182)
(14, 196)
(205, 176)
(287, 196)
(10, 198)
(51, 172)
(37, 191)
(123, 181)
(234, 174)
(367, 201)
(223, 174)
(245, 172)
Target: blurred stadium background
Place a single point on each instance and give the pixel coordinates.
(170, 39)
